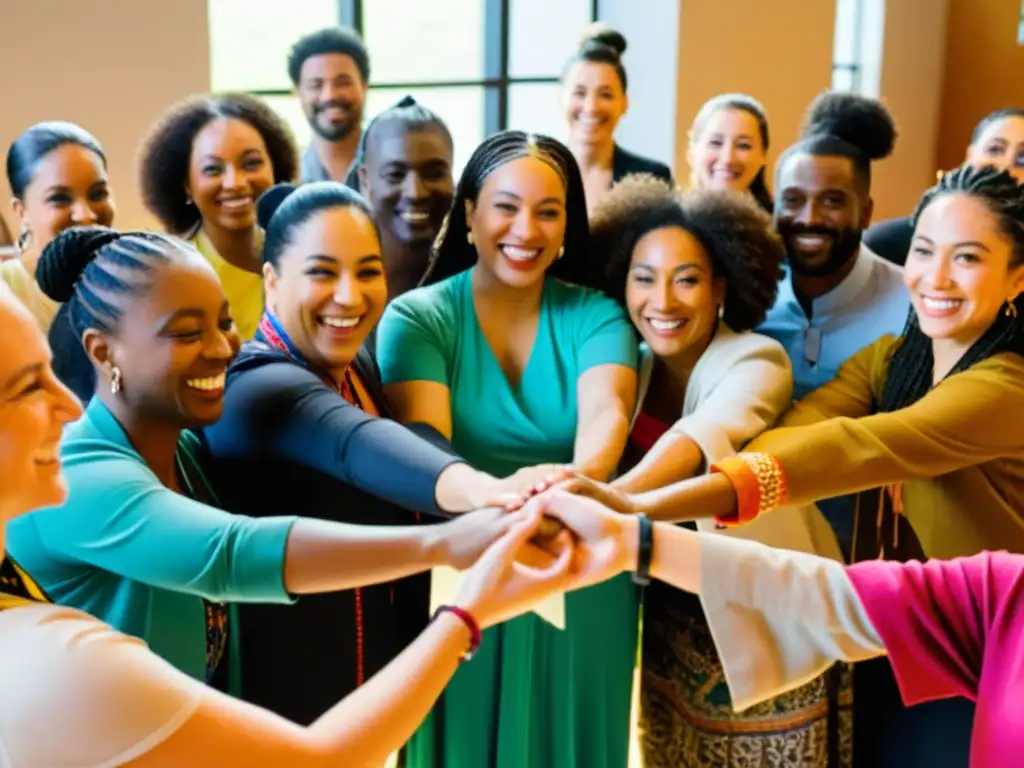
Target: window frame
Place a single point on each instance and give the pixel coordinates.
(497, 81)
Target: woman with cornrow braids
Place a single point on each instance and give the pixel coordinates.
(928, 428)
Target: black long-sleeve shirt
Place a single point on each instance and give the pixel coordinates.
(287, 443)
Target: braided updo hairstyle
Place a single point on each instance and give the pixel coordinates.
(92, 271)
(453, 254)
(910, 370)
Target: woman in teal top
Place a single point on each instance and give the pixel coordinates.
(508, 355)
(138, 544)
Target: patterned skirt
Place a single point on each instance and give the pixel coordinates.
(686, 716)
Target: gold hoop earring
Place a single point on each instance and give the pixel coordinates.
(561, 251)
(115, 381)
(469, 238)
(1011, 309)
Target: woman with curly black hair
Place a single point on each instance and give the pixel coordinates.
(203, 167)
(697, 271)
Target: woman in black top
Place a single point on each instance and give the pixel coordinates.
(595, 100)
(997, 141)
(305, 428)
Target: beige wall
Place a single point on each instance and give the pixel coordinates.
(110, 65)
(911, 85)
(984, 70)
(780, 52)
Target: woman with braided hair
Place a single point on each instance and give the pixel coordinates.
(507, 353)
(927, 427)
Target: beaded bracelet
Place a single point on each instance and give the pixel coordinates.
(475, 636)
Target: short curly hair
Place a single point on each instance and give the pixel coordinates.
(166, 154)
(733, 229)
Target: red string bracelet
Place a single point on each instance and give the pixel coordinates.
(470, 622)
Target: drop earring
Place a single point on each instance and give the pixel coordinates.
(469, 238)
(1011, 309)
(561, 251)
(115, 381)
(23, 237)
(721, 311)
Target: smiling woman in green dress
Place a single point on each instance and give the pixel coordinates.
(505, 352)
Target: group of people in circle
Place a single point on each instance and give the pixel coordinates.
(559, 369)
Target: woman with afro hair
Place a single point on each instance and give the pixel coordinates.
(203, 167)
(697, 271)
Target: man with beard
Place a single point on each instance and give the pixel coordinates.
(330, 70)
(837, 296)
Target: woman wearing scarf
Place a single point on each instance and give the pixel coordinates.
(305, 428)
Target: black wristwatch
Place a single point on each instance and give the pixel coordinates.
(642, 575)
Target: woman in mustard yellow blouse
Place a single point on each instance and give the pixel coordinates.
(929, 427)
(203, 167)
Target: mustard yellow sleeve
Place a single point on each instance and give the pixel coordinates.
(968, 419)
(850, 393)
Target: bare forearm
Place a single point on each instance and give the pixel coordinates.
(701, 497)
(675, 557)
(378, 718)
(599, 443)
(460, 488)
(673, 458)
(321, 556)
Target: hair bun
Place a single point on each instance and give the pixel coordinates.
(601, 33)
(65, 258)
(406, 101)
(865, 123)
(270, 201)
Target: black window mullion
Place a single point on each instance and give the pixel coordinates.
(495, 64)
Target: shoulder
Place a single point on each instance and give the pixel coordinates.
(1006, 369)
(627, 162)
(729, 348)
(885, 272)
(429, 305)
(578, 300)
(108, 696)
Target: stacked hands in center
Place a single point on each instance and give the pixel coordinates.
(564, 532)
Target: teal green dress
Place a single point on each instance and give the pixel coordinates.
(533, 695)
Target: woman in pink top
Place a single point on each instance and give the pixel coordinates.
(949, 627)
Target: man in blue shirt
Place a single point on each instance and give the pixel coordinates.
(837, 297)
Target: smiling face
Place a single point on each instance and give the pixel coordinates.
(1001, 145)
(728, 152)
(819, 213)
(332, 93)
(407, 177)
(34, 407)
(959, 270)
(594, 102)
(518, 221)
(173, 345)
(69, 188)
(228, 170)
(329, 289)
(672, 295)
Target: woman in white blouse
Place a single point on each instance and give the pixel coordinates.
(697, 271)
(75, 692)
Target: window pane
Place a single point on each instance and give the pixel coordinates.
(250, 40)
(544, 34)
(288, 108)
(847, 33)
(415, 41)
(461, 108)
(843, 79)
(535, 107)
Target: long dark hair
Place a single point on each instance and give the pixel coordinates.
(910, 370)
(452, 252)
